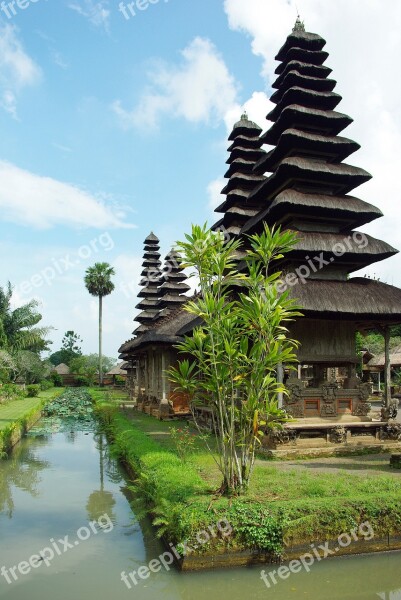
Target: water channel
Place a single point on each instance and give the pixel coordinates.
(53, 486)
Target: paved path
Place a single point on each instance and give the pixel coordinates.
(377, 464)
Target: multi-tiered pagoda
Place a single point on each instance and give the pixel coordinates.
(150, 283)
(307, 190)
(245, 152)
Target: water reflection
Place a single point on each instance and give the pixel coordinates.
(22, 471)
(100, 501)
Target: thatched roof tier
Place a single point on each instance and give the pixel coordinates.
(172, 286)
(62, 369)
(296, 79)
(245, 127)
(118, 369)
(166, 332)
(346, 212)
(304, 69)
(147, 303)
(305, 56)
(147, 315)
(149, 291)
(242, 152)
(363, 251)
(379, 361)
(240, 165)
(294, 142)
(295, 116)
(307, 98)
(358, 299)
(243, 181)
(151, 240)
(301, 39)
(245, 141)
(311, 176)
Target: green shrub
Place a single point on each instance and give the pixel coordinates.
(82, 381)
(46, 384)
(56, 379)
(11, 391)
(32, 390)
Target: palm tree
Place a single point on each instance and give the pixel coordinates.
(98, 283)
(18, 329)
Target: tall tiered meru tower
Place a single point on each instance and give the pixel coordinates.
(305, 186)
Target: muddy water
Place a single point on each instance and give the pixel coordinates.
(54, 486)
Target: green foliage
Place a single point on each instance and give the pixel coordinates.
(11, 391)
(242, 341)
(87, 368)
(70, 348)
(56, 379)
(32, 391)
(46, 384)
(19, 329)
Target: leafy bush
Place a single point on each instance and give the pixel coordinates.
(32, 390)
(46, 384)
(82, 381)
(56, 379)
(11, 391)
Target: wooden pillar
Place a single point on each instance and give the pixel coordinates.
(146, 374)
(153, 377)
(164, 376)
(387, 367)
(138, 376)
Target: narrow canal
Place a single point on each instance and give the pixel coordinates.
(55, 485)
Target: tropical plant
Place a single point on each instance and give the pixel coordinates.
(240, 345)
(98, 283)
(18, 326)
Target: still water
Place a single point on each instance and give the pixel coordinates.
(53, 486)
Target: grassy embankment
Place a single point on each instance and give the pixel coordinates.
(282, 507)
(17, 416)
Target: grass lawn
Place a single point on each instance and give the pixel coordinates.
(16, 409)
(285, 504)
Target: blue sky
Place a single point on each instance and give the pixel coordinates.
(112, 127)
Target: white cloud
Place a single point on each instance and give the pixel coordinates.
(199, 90)
(363, 57)
(97, 13)
(17, 69)
(42, 202)
(214, 193)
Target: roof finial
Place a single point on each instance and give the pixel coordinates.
(244, 116)
(299, 25)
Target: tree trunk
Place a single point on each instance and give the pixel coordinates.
(100, 342)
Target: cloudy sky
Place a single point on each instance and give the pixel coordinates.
(114, 123)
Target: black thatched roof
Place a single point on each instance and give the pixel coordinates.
(359, 299)
(296, 79)
(305, 97)
(301, 39)
(245, 127)
(304, 69)
(347, 211)
(295, 142)
(306, 56)
(312, 175)
(302, 117)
